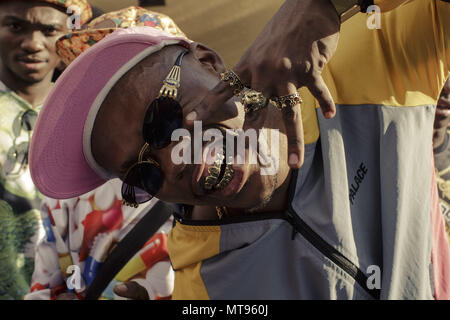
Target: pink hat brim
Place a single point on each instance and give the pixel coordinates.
(58, 166)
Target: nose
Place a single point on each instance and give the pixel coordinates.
(33, 42)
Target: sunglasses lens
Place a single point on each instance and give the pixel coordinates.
(163, 117)
(134, 194)
(150, 177)
(142, 183)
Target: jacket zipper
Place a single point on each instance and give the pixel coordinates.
(299, 226)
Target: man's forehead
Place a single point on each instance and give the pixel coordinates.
(144, 80)
(32, 10)
(125, 104)
(118, 125)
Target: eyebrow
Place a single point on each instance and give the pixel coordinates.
(24, 21)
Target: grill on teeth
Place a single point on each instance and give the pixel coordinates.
(211, 180)
(227, 177)
(213, 172)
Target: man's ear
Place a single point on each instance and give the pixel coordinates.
(208, 57)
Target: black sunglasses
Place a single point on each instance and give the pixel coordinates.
(164, 115)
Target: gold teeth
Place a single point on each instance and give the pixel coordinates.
(219, 157)
(209, 182)
(214, 172)
(227, 177)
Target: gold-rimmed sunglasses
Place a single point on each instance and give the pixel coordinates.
(164, 115)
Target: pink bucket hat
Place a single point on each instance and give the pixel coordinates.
(61, 161)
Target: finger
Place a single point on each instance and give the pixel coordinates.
(320, 91)
(210, 109)
(131, 290)
(292, 117)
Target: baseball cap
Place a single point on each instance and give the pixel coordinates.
(61, 162)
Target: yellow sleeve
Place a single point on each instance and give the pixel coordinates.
(443, 28)
(387, 5)
(403, 63)
(384, 5)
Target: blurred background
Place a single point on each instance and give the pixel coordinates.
(227, 26)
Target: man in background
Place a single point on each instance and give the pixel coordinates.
(28, 32)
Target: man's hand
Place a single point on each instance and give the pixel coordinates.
(131, 290)
(290, 52)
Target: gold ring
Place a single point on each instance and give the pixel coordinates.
(233, 80)
(290, 100)
(254, 101)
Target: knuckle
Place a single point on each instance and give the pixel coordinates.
(306, 67)
(202, 109)
(295, 144)
(285, 64)
(290, 115)
(318, 91)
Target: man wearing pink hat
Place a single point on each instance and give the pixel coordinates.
(356, 221)
(28, 32)
(82, 232)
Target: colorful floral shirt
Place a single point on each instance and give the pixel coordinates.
(82, 231)
(19, 200)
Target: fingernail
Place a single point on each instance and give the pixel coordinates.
(293, 159)
(329, 114)
(191, 116)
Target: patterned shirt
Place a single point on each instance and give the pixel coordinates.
(80, 234)
(442, 163)
(20, 225)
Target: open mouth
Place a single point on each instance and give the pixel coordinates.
(219, 173)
